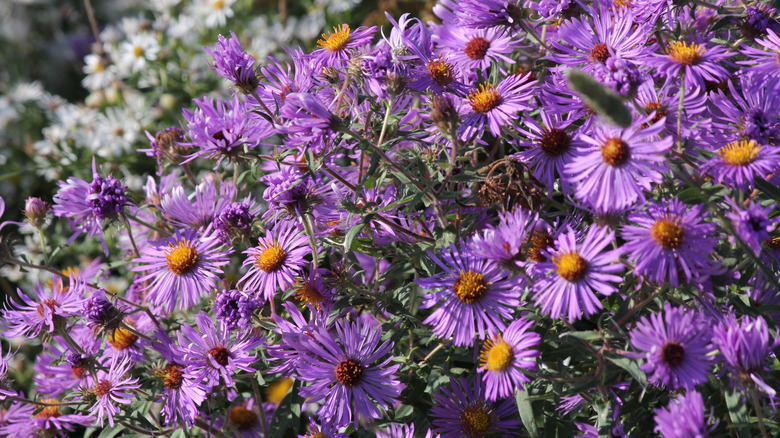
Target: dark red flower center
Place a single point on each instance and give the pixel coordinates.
(220, 354)
(672, 354)
(477, 48)
(349, 372)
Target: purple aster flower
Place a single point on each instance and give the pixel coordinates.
(102, 313)
(684, 417)
(610, 36)
(619, 165)
(505, 356)
(223, 129)
(398, 430)
(308, 122)
(350, 372)
(748, 112)
(112, 388)
(504, 243)
(670, 239)
(697, 62)
(461, 409)
(312, 290)
(182, 389)
(473, 296)
(498, 105)
(753, 225)
(200, 208)
(233, 63)
(337, 47)
(746, 346)
(15, 421)
(44, 314)
(213, 353)
(482, 14)
(675, 344)
(326, 430)
(763, 61)
(622, 76)
(477, 48)
(575, 272)
(35, 211)
(552, 145)
(235, 309)
(289, 353)
(738, 163)
(279, 79)
(181, 269)
(288, 189)
(759, 19)
(20, 421)
(87, 205)
(234, 222)
(54, 376)
(275, 262)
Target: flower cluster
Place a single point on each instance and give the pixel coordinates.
(522, 217)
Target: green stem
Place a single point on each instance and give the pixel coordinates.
(42, 239)
(759, 412)
(18, 262)
(130, 234)
(309, 228)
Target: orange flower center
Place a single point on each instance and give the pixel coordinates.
(349, 372)
(600, 53)
(496, 354)
(336, 40)
(243, 418)
(271, 259)
(484, 99)
(440, 71)
(615, 152)
(470, 286)
(49, 411)
(181, 257)
(122, 338)
(740, 153)
(685, 54)
(477, 48)
(476, 421)
(571, 266)
(554, 142)
(668, 232)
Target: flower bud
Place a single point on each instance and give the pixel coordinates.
(35, 211)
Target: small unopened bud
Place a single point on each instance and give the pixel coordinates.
(355, 67)
(330, 74)
(35, 211)
(395, 84)
(444, 114)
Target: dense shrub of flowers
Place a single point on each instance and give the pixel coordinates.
(549, 218)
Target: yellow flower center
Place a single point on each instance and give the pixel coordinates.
(740, 153)
(172, 375)
(349, 372)
(685, 54)
(668, 232)
(571, 266)
(243, 418)
(307, 293)
(476, 421)
(122, 338)
(182, 257)
(279, 389)
(335, 41)
(49, 411)
(218, 4)
(271, 259)
(440, 71)
(484, 99)
(138, 51)
(773, 243)
(470, 286)
(615, 152)
(496, 354)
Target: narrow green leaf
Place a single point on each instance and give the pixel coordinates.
(768, 189)
(738, 412)
(527, 413)
(628, 365)
(606, 103)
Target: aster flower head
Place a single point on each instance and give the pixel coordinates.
(350, 372)
(738, 163)
(213, 353)
(102, 313)
(21, 420)
(199, 209)
(753, 224)
(747, 111)
(504, 244)
(684, 417)
(671, 242)
(183, 390)
(274, 263)
(477, 48)
(619, 165)
(461, 409)
(486, 14)
(504, 357)
(308, 122)
(675, 344)
(575, 271)
(88, 205)
(235, 308)
(223, 129)
(112, 389)
(763, 61)
(336, 48)
(325, 430)
(45, 313)
(181, 269)
(497, 105)
(746, 345)
(699, 62)
(234, 221)
(473, 296)
(233, 63)
(552, 144)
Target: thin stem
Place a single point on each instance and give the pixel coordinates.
(638, 306)
(93, 25)
(680, 112)
(265, 107)
(42, 239)
(309, 228)
(135, 332)
(130, 235)
(441, 345)
(384, 123)
(144, 223)
(143, 431)
(529, 30)
(18, 262)
(188, 172)
(759, 412)
(65, 335)
(258, 403)
(236, 172)
(40, 403)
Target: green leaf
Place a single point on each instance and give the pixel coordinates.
(527, 412)
(768, 189)
(287, 418)
(738, 412)
(111, 432)
(629, 365)
(606, 103)
(350, 236)
(588, 335)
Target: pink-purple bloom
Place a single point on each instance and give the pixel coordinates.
(46, 313)
(113, 388)
(675, 344)
(746, 346)
(684, 417)
(462, 409)
(233, 63)
(506, 356)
